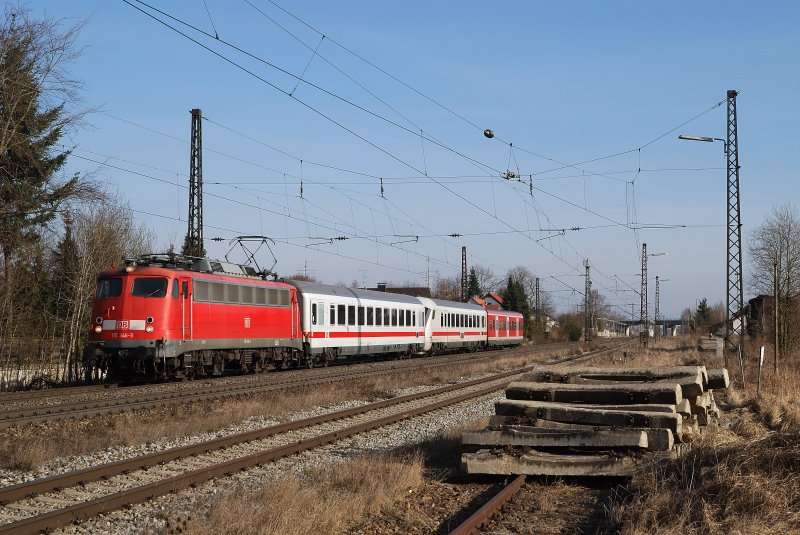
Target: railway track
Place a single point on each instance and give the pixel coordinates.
(96, 400)
(33, 395)
(45, 504)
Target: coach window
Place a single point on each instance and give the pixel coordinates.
(332, 317)
(351, 315)
(370, 316)
(313, 313)
(387, 317)
(361, 316)
(378, 316)
(394, 317)
(340, 315)
(402, 321)
(408, 318)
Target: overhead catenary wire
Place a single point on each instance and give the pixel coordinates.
(563, 200)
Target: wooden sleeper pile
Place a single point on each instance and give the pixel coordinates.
(594, 421)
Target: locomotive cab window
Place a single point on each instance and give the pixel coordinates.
(149, 287)
(109, 287)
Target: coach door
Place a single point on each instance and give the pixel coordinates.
(186, 310)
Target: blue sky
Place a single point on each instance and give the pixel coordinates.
(556, 82)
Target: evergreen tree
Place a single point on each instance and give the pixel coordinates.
(474, 286)
(515, 298)
(702, 315)
(34, 91)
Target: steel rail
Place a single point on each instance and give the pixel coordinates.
(22, 395)
(53, 519)
(483, 515)
(75, 409)
(81, 511)
(39, 486)
(18, 395)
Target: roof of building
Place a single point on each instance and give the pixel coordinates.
(478, 301)
(496, 297)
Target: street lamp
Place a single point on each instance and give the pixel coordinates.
(703, 138)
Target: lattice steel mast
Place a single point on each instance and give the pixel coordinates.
(735, 284)
(644, 331)
(587, 305)
(657, 330)
(464, 283)
(193, 245)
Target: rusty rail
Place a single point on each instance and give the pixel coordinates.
(483, 515)
(76, 409)
(54, 519)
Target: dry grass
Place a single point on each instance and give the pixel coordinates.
(744, 480)
(325, 500)
(29, 447)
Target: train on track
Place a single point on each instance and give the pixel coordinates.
(172, 317)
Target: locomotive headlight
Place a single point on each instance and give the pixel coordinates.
(98, 329)
(98, 320)
(129, 269)
(149, 319)
(148, 329)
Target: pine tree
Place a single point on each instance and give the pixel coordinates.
(515, 298)
(702, 316)
(34, 91)
(474, 286)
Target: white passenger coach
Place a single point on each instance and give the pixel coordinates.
(339, 321)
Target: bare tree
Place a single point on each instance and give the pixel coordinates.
(447, 288)
(777, 239)
(105, 234)
(487, 280)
